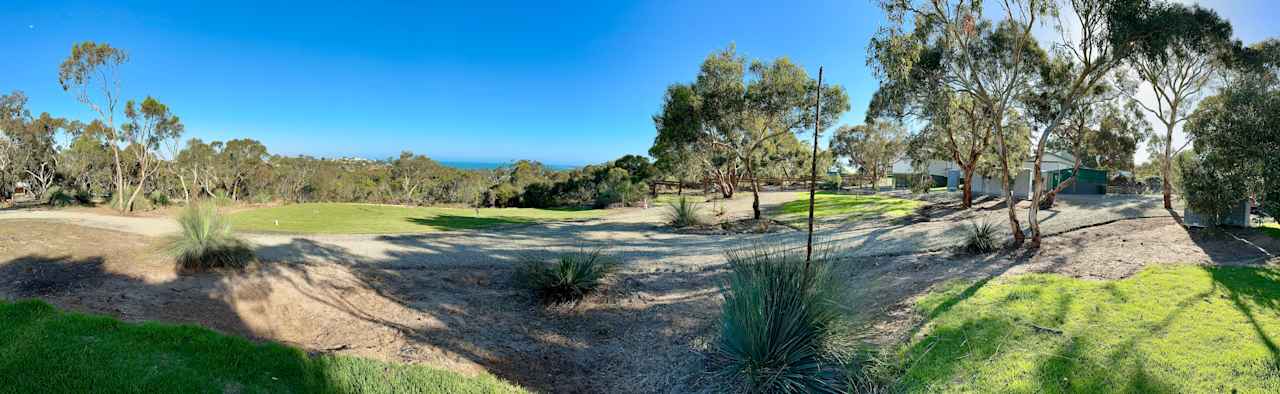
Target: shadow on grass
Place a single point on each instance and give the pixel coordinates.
(460, 222)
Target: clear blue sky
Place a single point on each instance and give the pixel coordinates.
(563, 83)
(568, 83)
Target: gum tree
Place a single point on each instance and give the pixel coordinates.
(91, 72)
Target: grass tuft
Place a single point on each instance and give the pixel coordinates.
(684, 213)
(570, 278)
(780, 324)
(981, 238)
(207, 241)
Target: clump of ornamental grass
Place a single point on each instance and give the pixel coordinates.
(980, 238)
(567, 279)
(207, 241)
(782, 328)
(684, 213)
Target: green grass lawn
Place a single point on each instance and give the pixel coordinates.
(1272, 229)
(43, 350)
(846, 207)
(335, 218)
(1172, 329)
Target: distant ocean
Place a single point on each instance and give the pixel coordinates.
(483, 165)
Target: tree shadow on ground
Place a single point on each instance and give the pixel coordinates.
(457, 222)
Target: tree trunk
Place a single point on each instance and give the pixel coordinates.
(1167, 169)
(1010, 202)
(1037, 189)
(967, 188)
(755, 190)
(1052, 196)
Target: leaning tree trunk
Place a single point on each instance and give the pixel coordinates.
(1167, 169)
(755, 190)
(1049, 199)
(1014, 226)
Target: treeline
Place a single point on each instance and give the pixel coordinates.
(141, 160)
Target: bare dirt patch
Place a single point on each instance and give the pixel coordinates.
(634, 336)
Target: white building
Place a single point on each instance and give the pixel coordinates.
(1053, 161)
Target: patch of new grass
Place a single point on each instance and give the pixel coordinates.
(1272, 229)
(846, 207)
(43, 350)
(1170, 329)
(340, 218)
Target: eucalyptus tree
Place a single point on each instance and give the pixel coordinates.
(873, 146)
(950, 45)
(1179, 68)
(736, 110)
(91, 72)
(150, 123)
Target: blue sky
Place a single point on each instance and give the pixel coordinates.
(564, 83)
(567, 83)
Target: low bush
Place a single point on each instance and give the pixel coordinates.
(684, 213)
(159, 199)
(207, 241)
(84, 197)
(981, 238)
(57, 197)
(570, 278)
(781, 325)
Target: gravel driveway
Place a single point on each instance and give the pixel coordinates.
(638, 236)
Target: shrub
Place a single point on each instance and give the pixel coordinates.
(221, 199)
(1212, 191)
(921, 183)
(980, 238)
(833, 182)
(684, 213)
(570, 278)
(57, 197)
(780, 324)
(159, 199)
(207, 242)
(84, 197)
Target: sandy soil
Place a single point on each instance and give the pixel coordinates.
(446, 299)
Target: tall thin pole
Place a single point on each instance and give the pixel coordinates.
(813, 172)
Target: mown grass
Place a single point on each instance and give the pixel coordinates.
(846, 207)
(43, 350)
(1272, 229)
(1172, 329)
(339, 218)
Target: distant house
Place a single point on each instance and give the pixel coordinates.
(21, 188)
(1056, 167)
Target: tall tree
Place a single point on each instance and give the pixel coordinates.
(873, 147)
(92, 72)
(1179, 68)
(149, 125)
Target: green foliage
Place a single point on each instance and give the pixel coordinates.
(921, 183)
(159, 199)
(1237, 135)
(207, 241)
(1163, 330)
(981, 238)
(570, 278)
(833, 183)
(780, 324)
(346, 218)
(49, 351)
(1212, 191)
(684, 213)
(873, 147)
(57, 197)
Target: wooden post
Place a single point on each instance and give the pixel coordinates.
(813, 172)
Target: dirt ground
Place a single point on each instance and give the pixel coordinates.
(426, 300)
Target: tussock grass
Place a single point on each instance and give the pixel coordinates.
(981, 238)
(781, 324)
(568, 279)
(207, 241)
(684, 213)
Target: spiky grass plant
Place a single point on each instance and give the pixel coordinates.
(568, 279)
(207, 241)
(981, 238)
(684, 213)
(780, 324)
